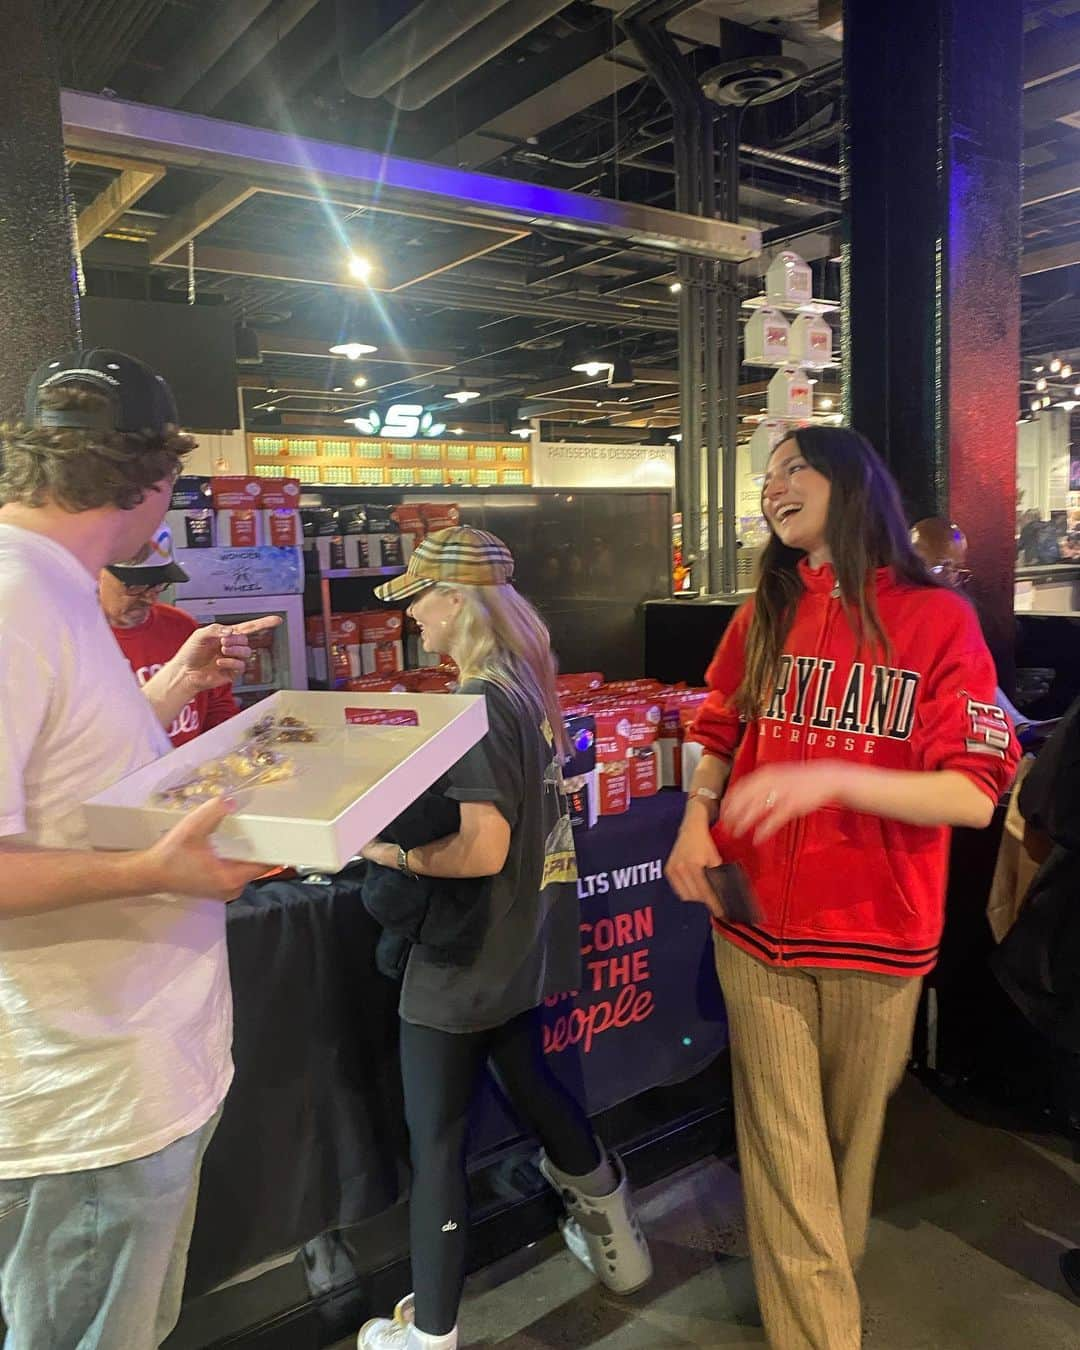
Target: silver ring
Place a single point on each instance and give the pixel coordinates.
(770, 801)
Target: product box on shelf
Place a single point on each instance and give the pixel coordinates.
(344, 634)
(644, 772)
(678, 710)
(789, 281)
(347, 786)
(280, 500)
(238, 507)
(766, 338)
(613, 732)
(381, 648)
(190, 516)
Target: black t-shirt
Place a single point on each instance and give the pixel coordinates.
(531, 948)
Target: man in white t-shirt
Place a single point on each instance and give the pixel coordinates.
(115, 1011)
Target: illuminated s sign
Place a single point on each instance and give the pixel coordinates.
(403, 421)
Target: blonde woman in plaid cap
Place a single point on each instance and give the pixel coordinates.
(514, 831)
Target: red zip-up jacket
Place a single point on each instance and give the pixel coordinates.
(841, 889)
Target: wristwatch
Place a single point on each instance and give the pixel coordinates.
(403, 862)
(707, 793)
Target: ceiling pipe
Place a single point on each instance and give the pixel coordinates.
(210, 42)
(255, 46)
(514, 20)
(370, 66)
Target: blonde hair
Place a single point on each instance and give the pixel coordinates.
(499, 637)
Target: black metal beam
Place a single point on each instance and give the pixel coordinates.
(464, 111)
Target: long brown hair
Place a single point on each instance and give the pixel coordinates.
(865, 530)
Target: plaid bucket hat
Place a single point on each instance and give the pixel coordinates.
(460, 555)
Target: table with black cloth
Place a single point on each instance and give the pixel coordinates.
(312, 1136)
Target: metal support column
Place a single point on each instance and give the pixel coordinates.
(710, 390)
(691, 133)
(931, 266)
(728, 280)
(38, 297)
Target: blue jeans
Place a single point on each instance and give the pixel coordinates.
(95, 1260)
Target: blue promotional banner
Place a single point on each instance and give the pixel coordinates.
(649, 1010)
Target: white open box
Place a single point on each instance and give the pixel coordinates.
(348, 786)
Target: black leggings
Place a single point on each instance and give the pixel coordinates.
(441, 1072)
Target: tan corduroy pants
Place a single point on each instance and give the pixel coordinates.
(816, 1055)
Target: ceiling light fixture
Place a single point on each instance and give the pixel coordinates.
(359, 267)
(360, 382)
(677, 436)
(1055, 365)
(1066, 371)
(353, 351)
(523, 432)
(591, 368)
(270, 407)
(1040, 384)
(1038, 370)
(620, 374)
(826, 403)
(462, 394)
(457, 431)
(675, 287)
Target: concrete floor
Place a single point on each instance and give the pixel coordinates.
(969, 1224)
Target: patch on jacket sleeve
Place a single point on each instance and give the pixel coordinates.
(989, 732)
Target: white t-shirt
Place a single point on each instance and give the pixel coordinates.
(115, 1016)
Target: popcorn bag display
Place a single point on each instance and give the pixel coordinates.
(790, 394)
(811, 342)
(767, 337)
(767, 436)
(238, 511)
(789, 280)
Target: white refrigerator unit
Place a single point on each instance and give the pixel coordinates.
(231, 586)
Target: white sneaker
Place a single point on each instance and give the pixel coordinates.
(385, 1333)
(382, 1333)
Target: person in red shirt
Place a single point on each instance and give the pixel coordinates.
(850, 722)
(150, 633)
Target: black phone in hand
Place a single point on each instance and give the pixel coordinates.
(732, 888)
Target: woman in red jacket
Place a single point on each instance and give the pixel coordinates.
(851, 722)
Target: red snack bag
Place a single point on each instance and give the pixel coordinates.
(644, 775)
(578, 684)
(612, 735)
(614, 784)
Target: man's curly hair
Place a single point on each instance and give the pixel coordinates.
(83, 470)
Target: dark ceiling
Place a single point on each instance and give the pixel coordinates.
(548, 92)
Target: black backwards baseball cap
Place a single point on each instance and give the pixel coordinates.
(139, 401)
